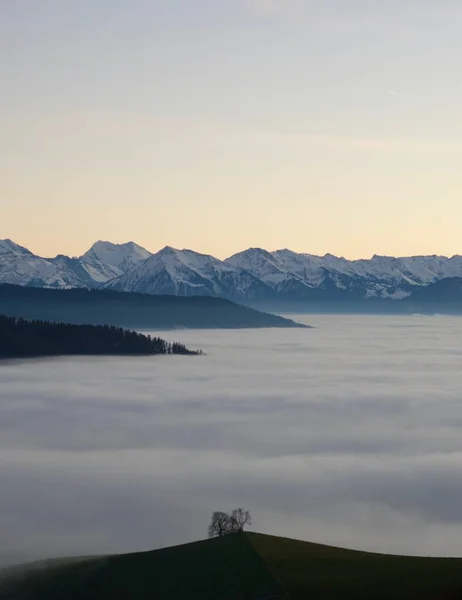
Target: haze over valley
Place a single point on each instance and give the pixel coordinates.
(345, 434)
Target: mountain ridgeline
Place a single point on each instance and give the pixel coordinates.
(136, 311)
(23, 339)
(255, 276)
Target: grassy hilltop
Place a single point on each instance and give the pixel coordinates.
(236, 567)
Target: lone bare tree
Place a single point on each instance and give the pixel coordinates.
(220, 524)
(224, 524)
(239, 519)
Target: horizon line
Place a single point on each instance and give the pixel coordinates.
(286, 249)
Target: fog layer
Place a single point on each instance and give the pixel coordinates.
(348, 434)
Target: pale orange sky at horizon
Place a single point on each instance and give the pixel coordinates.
(247, 123)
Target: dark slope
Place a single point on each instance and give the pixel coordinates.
(98, 307)
(220, 569)
(317, 572)
(445, 290)
(441, 297)
(444, 296)
(238, 567)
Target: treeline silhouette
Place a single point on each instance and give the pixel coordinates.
(21, 338)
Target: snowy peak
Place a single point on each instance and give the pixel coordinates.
(261, 264)
(20, 267)
(252, 253)
(119, 256)
(188, 273)
(9, 247)
(254, 274)
(181, 264)
(190, 258)
(104, 261)
(288, 272)
(253, 259)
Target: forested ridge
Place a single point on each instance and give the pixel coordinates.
(22, 338)
(131, 310)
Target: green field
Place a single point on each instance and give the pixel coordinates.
(241, 566)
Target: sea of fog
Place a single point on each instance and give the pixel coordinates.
(348, 434)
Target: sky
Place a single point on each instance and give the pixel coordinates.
(345, 434)
(316, 125)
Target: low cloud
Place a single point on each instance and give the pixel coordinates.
(273, 7)
(346, 434)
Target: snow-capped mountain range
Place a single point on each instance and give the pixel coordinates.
(252, 275)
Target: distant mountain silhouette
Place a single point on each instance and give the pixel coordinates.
(137, 311)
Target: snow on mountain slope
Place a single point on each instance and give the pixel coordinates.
(284, 270)
(20, 267)
(270, 269)
(380, 276)
(415, 270)
(188, 273)
(9, 247)
(94, 272)
(262, 264)
(121, 257)
(249, 275)
(91, 273)
(335, 274)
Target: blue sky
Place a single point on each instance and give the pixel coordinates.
(320, 126)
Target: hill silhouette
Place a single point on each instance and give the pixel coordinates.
(136, 311)
(236, 567)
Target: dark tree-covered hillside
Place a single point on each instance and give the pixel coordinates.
(20, 338)
(130, 310)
